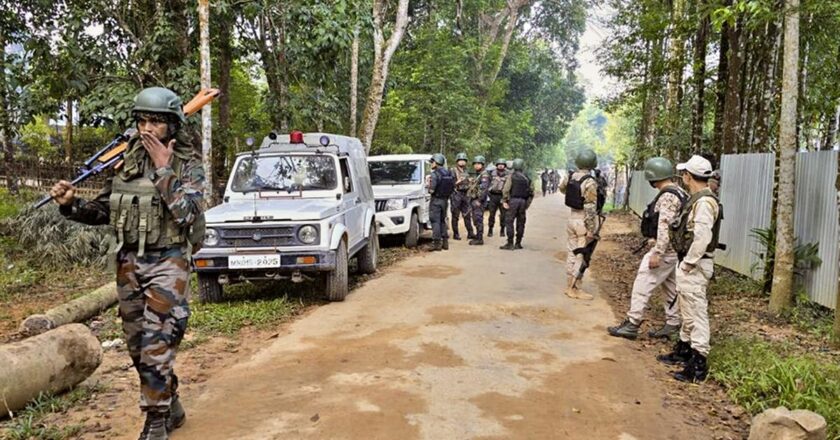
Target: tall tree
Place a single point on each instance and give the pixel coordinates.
(781, 295)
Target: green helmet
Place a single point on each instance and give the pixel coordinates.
(479, 159)
(509, 164)
(461, 156)
(658, 168)
(518, 164)
(501, 162)
(159, 100)
(438, 159)
(586, 159)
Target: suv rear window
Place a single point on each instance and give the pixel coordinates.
(285, 173)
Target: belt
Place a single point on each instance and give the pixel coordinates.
(496, 193)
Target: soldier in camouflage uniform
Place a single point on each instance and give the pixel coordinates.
(498, 177)
(659, 265)
(517, 196)
(459, 203)
(155, 204)
(581, 192)
(478, 194)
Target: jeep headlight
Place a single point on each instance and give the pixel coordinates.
(396, 204)
(211, 237)
(308, 234)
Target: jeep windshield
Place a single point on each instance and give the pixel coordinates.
(395, 172)
(285, 173)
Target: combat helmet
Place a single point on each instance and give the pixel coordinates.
(658, 168)
(438, 159)
(159, 100)
(518, 164)
(586, 159)
(461, 156)
(479, 159)
(501, 161)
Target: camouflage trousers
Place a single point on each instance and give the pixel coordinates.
(460, 204)
(694, 306)
(647, 280)
(576, 238)
(477, 208)
(153, 293)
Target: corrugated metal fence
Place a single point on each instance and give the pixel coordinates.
(747, 198)
(746, 195)
(816, 220)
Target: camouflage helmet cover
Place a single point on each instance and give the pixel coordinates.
(479, 159)
(461, 156)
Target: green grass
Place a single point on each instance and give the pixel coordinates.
(728, 282)
(811, 318)
(28, 424)
(759, 375)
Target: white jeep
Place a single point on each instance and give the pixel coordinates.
(300, 206)
(402, 199)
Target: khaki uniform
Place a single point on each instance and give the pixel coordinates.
(692, 285)
(647, 279)
(580, 222)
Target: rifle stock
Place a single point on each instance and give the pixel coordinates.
(112, 154)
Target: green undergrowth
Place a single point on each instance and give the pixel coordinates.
(759, 375)
(30, 422)
(728, 282)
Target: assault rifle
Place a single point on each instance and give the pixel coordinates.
(111, 155)
(588, 250)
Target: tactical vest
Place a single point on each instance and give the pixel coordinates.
(520, 186)
(574, 192)
(445, 185)
(139, 215)
(498, 182)
(465, 184)
(650, 218)
(681, 237)
(474, 190)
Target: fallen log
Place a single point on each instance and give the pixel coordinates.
(78, 310)
(49, 363)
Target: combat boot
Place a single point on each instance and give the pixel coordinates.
(695, 370)
(508, 246)
(456, 236)
(477, 241)
(502, 232)
(436, 245)
(177, 415)
(681, 354)
(445, 244)
(490, 233)
(665, 332)
(626, 330)
(518, 245)
(470, 236)
(155, 426)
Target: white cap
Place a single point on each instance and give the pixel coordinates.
(697, 166)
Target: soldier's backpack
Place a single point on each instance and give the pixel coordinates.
(445, 183)
(650, 218)
(574, 193)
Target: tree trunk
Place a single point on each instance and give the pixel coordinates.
(676, 65)
(720, 92)
(781, 295)
(383, 52)
(732, 107)
(700, 41)
(223, 135)
(78, 310)
(49, 363)
(354, 83)
(68, 133)
(206, 112)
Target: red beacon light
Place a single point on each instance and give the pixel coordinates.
(296, 137)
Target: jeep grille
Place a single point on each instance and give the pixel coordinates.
(380, 205)
(258, 237)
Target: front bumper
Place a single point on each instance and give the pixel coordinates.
(216, 261)
(394, 222)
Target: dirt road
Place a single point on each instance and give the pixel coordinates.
(472, 343)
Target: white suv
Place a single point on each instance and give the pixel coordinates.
(402, 200)
(300, 206)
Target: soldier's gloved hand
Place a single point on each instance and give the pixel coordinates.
(63, 192)
(654, 261)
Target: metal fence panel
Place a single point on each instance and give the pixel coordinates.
(815, 220)
(746, 194)
(641, 193)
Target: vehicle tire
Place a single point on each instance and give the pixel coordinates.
(209, 289)
(336, 282)
(413, 234)
(369, 255)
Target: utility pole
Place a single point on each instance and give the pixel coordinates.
(206, 111)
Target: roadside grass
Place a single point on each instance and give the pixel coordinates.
(812, 318)
(29, 423)
(728, 282)
(759, 375)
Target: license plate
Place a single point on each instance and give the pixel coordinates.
(253, 261)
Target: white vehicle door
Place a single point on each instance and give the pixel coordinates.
(351, 202)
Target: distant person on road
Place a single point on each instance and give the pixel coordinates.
(441, 187)
(498, 177)
(581, 192)
(658, 267)
(544, 182)
(517, 195)
(478, 194)
(460, 201)
(694, 236)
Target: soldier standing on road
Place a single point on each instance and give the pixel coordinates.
(460, 201)
(441, 187)
(544, 182)
(517, 196)
(155, 203)
(658, 267)
(694, 236)
(498, 177)
(581, 192)
(478, 192)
